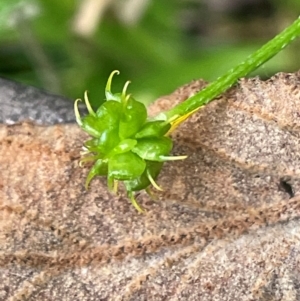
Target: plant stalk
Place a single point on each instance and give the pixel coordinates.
(224, 82)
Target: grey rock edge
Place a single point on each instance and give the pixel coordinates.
(19, 102)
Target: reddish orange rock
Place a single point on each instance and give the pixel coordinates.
(225, 228)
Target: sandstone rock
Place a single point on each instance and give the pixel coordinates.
(226, 226)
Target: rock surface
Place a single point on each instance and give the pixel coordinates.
(225, 228)
(18, 102)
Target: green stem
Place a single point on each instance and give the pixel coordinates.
(228, 79)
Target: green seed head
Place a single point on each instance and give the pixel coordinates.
(125, 146)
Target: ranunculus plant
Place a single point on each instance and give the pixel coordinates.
(126, 146)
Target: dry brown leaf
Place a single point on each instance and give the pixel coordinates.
(225, 228)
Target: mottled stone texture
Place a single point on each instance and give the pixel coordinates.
(226, 226)
(19, 102)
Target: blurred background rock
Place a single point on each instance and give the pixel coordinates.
(68, 46)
